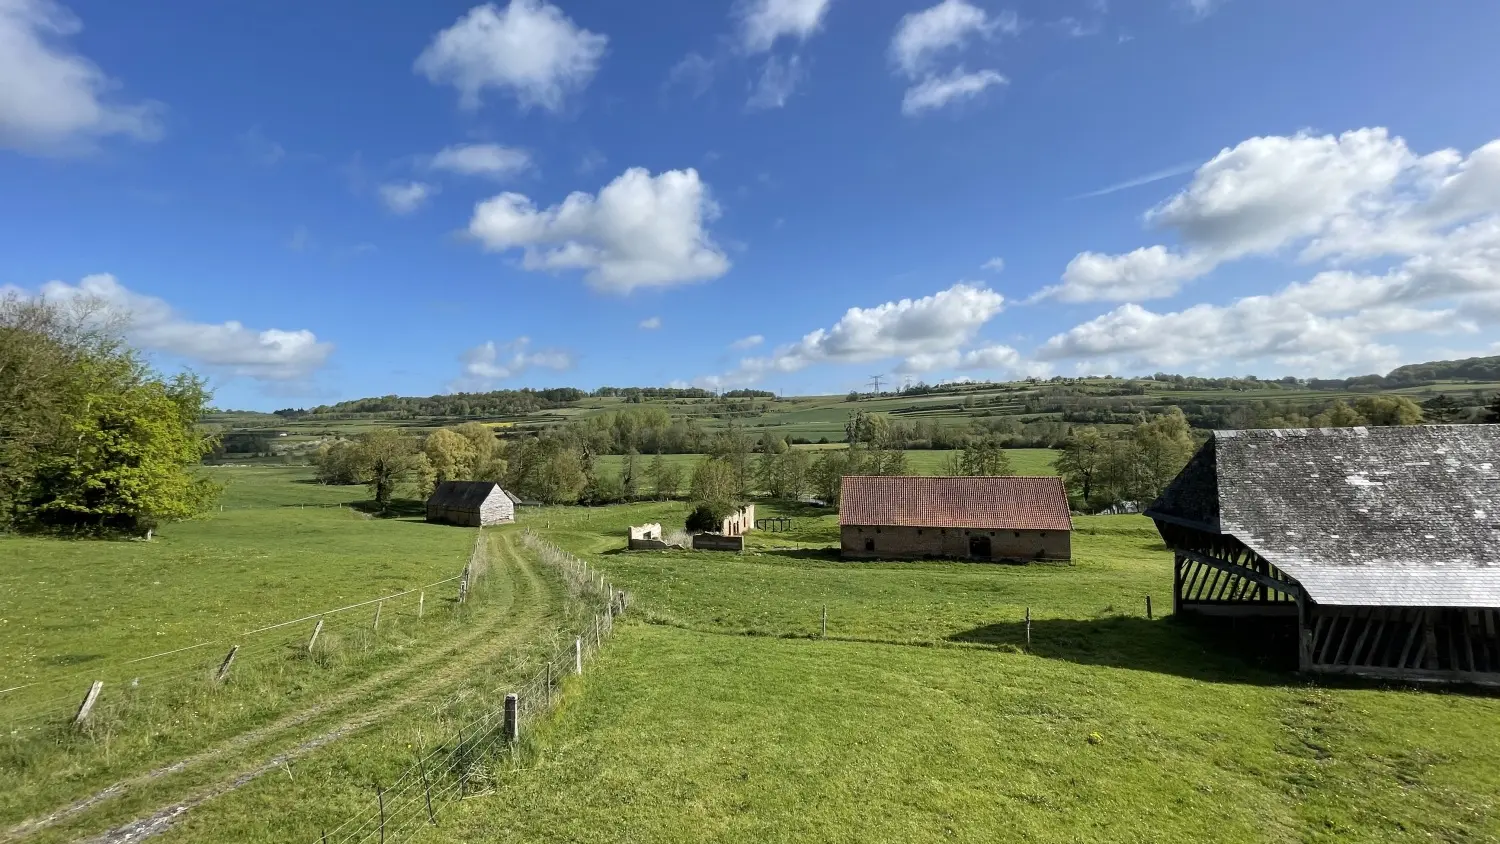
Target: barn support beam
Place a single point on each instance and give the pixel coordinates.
(1240, 571)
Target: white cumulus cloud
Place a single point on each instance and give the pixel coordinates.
(491, 160)
(639, 231)
(650, 323)
(935, 92)
(923, 36)
(747, 342)
(271, 354)
(406, 197)
(489, 362)
(994, 265)
(924, 333)
(778, 80)
(763, 22)
(54, 101)
(529, 49)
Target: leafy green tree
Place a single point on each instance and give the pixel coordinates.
(1389, 410)
(451, 455)
(733, 447)
(829, 470)
(1082, 460)
(547, 469)
(1339, 415)
(715, 481)
(784, 475)
(338, 463)
(980, 457)
(708, 517)
(630, 481)
(666, 478)
(390, 459)
(1442, 408)
(489, 452)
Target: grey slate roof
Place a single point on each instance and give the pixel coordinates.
(1404, 516)
(462, 495)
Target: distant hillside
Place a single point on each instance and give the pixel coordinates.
(1468, 369)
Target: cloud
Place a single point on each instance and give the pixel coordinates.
(491, 160)
(920, 331)
(778, 79)
(152, 324)
(299, 241)
(487, 362)
(935, 92)
(923, 36)
(650, 323)
(993, 358)
(640, 231)
(994, 265)
(1355, 196)
(747, 342)
(260, 148)
(53, 101)
(763, 22)
(1200, 9)
(695, 72)
(406, 197)
(530, 50)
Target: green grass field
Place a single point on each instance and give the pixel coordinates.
(717, 711)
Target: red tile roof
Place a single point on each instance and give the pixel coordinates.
(989, 503)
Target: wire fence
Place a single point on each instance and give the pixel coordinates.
(469, 759)
(73, 696)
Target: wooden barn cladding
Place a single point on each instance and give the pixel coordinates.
(983, 518)
(471, 504)
(1383, 543)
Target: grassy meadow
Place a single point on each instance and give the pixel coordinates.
(718, 713)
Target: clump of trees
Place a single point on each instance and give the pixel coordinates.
(91, 438)
(1134, 466)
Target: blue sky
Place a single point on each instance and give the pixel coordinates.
(315, 201)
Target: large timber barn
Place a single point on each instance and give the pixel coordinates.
(978, 518)
(471, 504)
(1383, 544)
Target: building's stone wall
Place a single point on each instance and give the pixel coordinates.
(741, 522)
(715, 542)
(887, 542)
(497, 509)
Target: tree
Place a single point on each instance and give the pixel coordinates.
(547, 469)
(1338, 415)
(715, 481)
(1442, 408)
(666, 478)
(1389, 410)
(489, 452)
(451, 455)
(784, 475)
(980, 457)
(390, 459)
(629, 481)
(733, 446)
(1492, 413)
(91, 438)
(829, 470)
(338, 463)
(1082, 460)
(707, 517)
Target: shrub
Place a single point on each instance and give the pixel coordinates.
(708, 516)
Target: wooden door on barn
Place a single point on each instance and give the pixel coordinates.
(979, 547)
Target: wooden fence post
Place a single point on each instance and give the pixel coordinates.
(1028, 627)
(376, 625)
(1148, 607)
(427, 784)
(316, 631)
(578, 655)
(380, 798)
(512, 729)
(224, 666)
(825, 621)
(88, 702)
(549, 680)
(421, 603)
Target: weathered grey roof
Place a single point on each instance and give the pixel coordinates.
(1405, 516)
(462, 495)
(514, 499)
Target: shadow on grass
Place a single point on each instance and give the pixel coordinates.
(1254, 651)
(400, 508)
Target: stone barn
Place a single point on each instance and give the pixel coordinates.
(1382, 545)
(979, 518)
(471, 504)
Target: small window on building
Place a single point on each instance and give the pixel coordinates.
(877, 530)
(1018, 534)
(919, 531)
(1044, 534)
(869, 545)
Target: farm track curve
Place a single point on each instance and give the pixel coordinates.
(246, 756)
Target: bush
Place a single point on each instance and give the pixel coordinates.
(708, 517)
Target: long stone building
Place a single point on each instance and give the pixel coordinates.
(471, 504)
(977, 518)
(1381, 545)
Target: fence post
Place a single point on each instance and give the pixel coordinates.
(1028, 627)
(512, 729)
(376, 625)
(1148, 607)
(380, 798)
(316, 631)
(224, 666)
(549, 679)
(427, 784)
(88, 702)
(421, 603)
(578, 655)
(825, 621)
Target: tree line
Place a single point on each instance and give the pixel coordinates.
(92, 439)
